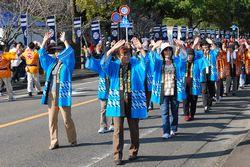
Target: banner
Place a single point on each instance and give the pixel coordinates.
(130, 31)
(95, 31)
(183, 33)
(157, 32)
(190, 33)
(175, 32)
(227, 35)
(24, 26)
(77, 28)
(212, 34)
(222, 35)
(208, 33)
(164, 31)
(51, 23)
(202, 34)
(114, 32)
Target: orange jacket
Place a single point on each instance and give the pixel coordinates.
(32, 61)
(221, 63)
(238, 64)
(5, 60)
(247, 62)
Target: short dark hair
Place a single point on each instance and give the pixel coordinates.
(1, 47)
(32, 45)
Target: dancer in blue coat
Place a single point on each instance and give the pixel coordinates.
(93, 63)
(126, 94)
(58, 88)
(168, 83)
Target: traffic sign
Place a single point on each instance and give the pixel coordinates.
(124, 10)
(125, 23)
(116, 17)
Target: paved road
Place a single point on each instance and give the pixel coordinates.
(207, 141)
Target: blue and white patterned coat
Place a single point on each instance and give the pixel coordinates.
(138, 74)
(95, 65)
(149, 69)
(157, 92)
(65, 75)
(212, 63)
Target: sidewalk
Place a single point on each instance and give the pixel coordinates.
(240, 155)
(78, 74)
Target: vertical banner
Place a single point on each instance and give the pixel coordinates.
(164, 31)
(222, 35)
(175, 32)
(190, 33)
(130, 31)
(157, 32)
(95, 31)
(114, 32)
(208, 33)
(217, 33)
(51, 23)
(202, 34)
(183, 33)
(213, 34)
(77, 28)
(227, 35)
(24, 26)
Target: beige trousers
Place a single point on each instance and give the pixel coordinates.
(7, 83)
(53, 119)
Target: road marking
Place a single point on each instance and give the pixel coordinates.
(98, 159)
(41, 115)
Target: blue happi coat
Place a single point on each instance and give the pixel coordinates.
(149, 59)
(212, 62)
(157, 90)
(199, 65)
(95, 65)
(138, 74)
(48, 62)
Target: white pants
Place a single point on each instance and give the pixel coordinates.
(35, 78)
(242, 79)
(7, 83)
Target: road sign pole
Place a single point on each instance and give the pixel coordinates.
(126, 34)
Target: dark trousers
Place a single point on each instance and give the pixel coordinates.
(189, 105)
(118, 136)
(208, 92)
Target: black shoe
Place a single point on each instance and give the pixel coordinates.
(30, 94)
(118, 162)
(132, 157)
(39, 93)
(206, 109)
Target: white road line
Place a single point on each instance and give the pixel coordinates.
(100, 158)
(79, 84)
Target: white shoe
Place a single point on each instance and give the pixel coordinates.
(12, 99)
(111, 128)
(172, 133)
(102, 130)
(166, 136)
(1, 94)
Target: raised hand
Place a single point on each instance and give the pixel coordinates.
(136, 42)
(157, 44)
(196, 41)
(178, 43)
(62, 37)
(209, 41)
(46, 38)
(116, 46)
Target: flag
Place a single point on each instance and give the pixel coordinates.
(222, 35)
(95, 31)
(157, 32)
(164, 31)
(208, 33)
(114, 31)
(175, 32)
(190, 33)
(212, 34)
(51, 23)
(202, 33)
(227, 35)
(130, 31)
(24, 26)
(183, 33)
(77, 28)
